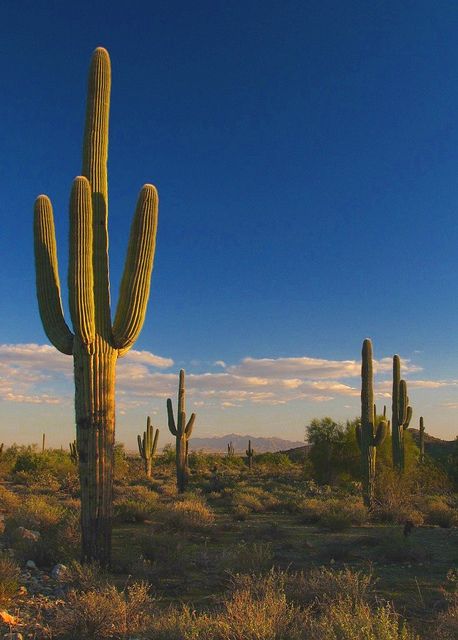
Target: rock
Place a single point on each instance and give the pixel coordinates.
(59, 572)
(30, 564)
(28, 534)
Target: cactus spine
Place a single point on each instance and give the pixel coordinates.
(401, 415)
(147, 446)
(249, 454)
(182, 432)
(74, 452)
(422, 440)
(95, 342)
(371, 432)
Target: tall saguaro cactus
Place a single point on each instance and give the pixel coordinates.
(147, 446)
(249, 454)
(401, 415)
(96, 342)
(372, 432)
(182, 432)
(422, 440)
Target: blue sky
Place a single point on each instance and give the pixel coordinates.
(306, 157)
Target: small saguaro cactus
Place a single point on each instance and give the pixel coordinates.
(182, 432)
(371, 432)
(422, 440)
(230, 449)
(401, 415)
(74, 452)
(95, 342)
(1, 449)
(43, 443)
(147, 446)
(249, 454)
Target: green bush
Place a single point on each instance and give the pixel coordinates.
(9, 578)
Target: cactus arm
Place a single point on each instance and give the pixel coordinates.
(80, 274)
(140, 447)
(154, 445)
(95, 155)
(380, 434)
(135, 284)
(190, 425)
(171, 419)
(408, 418)
(47, 278)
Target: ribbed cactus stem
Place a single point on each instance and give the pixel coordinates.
(422, 440)
(95, 343)
(74, 452)
(372, 432)
(182, 432)
(147, 446)
(401, 415)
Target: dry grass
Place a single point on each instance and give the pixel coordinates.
(104, 614)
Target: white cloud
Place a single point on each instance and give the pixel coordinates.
(39, 374)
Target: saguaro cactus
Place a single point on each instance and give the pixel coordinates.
(422, 440)
(73, 452)
(372, 431)
(401, 415)
(182, 432)
(96, 342)
(43, 443)
(230, 449)
(147, 446)
(249, 454)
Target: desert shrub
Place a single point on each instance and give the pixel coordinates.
(137, 504)
(9, 500)
(248, 557)
(320, 585)
(58, 530)
(188, 514)
(85, 577)
(394, 498)
(438, 512)
(121, 463)
(9, 578)
(345, 620)
(104, 614)
(253, 499)
(334, 514)
(183, 624)
(277, 461)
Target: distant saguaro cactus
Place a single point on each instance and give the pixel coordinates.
(43, 443)
(249, 454)
(74, 457)
(96, 342)
(182, 432)
(401, 415)
(230, 449)
(422, 440)
(372, 432)
(147, 446)
(1, 449)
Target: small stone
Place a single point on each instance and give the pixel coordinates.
(59, 572)
(30, 564)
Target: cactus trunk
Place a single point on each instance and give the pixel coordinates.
(422, 440)
(95, 431)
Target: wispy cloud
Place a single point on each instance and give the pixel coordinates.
(32, 373)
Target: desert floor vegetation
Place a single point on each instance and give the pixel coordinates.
(261, 553)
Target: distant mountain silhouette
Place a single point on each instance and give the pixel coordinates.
(218, 444)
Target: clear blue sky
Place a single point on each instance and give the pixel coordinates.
(306, 157)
